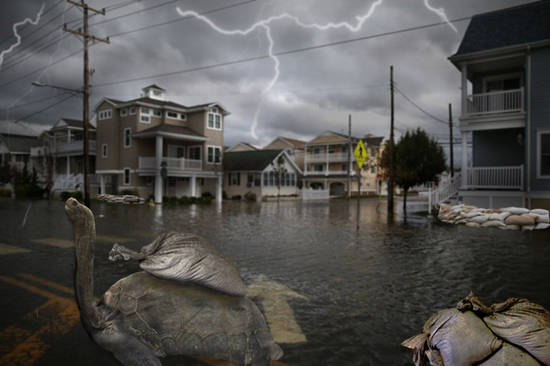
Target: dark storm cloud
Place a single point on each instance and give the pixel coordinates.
(316, 89)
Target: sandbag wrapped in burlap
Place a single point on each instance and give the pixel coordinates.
(526, 325)
(510, 355)
(458, 338)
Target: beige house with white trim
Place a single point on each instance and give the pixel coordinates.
(155, 146)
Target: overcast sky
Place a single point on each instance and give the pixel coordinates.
(315, 91)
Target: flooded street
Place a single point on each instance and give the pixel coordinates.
(354, 296)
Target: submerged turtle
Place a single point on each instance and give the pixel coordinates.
(142, 317)
(186, 258)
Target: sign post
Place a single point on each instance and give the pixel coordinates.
(360, 154)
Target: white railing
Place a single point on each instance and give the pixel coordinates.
(331, 157)
(309, 194)
(502, 177)
(172, 164)
(329, 172)
(495, 102)
(74, 146)
(443, 191)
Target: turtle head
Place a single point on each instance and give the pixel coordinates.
(78, 214)
(117, 254)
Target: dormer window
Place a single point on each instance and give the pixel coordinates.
(214, 119)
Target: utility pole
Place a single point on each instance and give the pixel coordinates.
(85, 89)
(451, 139)
(392, 149)
(349, 156)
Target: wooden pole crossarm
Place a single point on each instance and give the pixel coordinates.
(79, 33)
(85, 6)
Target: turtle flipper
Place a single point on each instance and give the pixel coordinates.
(120, 252)
(135, 353)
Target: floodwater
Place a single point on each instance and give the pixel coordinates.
(365, 291)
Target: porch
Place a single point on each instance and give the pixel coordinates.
(148, 165)
(494, 177)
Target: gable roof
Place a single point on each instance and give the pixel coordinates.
(153, 86)
(373, 140)
(245, 145)
(507, 27)
(330, 137)
(256, 160)
(160, 103)
(289, 141)
(20, 144)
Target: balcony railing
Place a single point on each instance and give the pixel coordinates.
(495, 102)
(332, 157)
(172, 164)
(502, 177)
(74, 146)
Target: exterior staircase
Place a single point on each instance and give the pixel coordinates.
(445, 192)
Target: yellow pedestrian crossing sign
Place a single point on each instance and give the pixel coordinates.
(360, 154)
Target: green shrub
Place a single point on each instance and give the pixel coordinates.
(65, 195)
(28, 190)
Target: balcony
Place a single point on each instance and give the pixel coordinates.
(148, 164)
(495, 102)
(502, 177)
(330, 157)
(76, 146)
(327, 173)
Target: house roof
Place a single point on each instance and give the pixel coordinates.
(70, 122)
(330, 137)
(20, 143)
(293, 142)
(256, 160)
(245, 145)
(154, 86)
(167, 128)
(507, 27)
(161, 103)
(21, 128)
(373, 140)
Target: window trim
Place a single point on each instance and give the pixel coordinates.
(539, 152)
(132, 111)
(123, 112)
(105, 114)
(124, 170)
(213, 155)
(174, 147)
(129, 145)
(189, 151)
(104, 151)
(176, 115)
(214, 115)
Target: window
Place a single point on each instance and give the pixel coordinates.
(195, 153)
(235, 179)
(257, 179)
(173, 115)
(126, 178)
(250, 180)
(157, 93)
(214, 119)
(145, 119)
(104, 150)
(124, 112)
(214, 154)
(183, 116)
(544, 154)
(318, 167)
(266, 178)
(127, 137)
(145, 110)
(132, 111)
(157, 113)
(105, 114)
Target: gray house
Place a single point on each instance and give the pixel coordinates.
(504, 59)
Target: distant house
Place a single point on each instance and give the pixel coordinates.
(294, 148)
(328, 160)
(261, 172)
(158, 147)
(17, 142)
(241, 146)
(504, 59)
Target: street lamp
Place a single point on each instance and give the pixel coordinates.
(86, 142)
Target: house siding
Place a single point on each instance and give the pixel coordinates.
(498, 148)
(108, 132)
(540, 110)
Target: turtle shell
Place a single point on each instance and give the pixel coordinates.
(190, 258)
(175, 319)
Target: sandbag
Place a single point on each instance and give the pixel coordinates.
(516, 210)
(461, 338)
(540, 211)
(472, 224)
(542, 226)
(472, 213)
(501, 216)
(510, 227)
(542, 219)
(525, 325)
(521, 220)
(493, 223)
(510, 355)
(528, 228)
(480, 219)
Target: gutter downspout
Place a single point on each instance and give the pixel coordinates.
(528, 161)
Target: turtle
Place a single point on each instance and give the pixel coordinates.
(185, 258)
(143, 318)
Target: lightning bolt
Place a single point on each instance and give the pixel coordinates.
(265, 24)
(441, 13)
(16, 34)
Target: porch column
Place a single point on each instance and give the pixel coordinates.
(158, 176)
(464, 168)
(101, 183)
(326, 172)
(219, 189)
(68, 135)
(68, 172)
(464, 88)
(193, 186)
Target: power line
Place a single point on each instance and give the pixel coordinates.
(282, 53)
(45, 109)
(18, 61)
(35, 101)
(420, 108)
(135, 12)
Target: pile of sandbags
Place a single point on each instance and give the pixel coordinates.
(508, 218)
(124, 199)
(514, 333)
